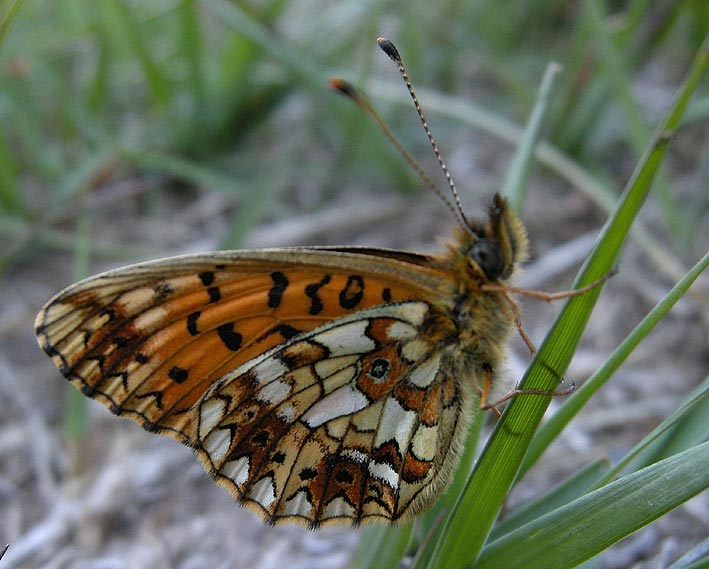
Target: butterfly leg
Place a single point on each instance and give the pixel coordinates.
(518, 323)
(485, 392)
(549, 296)
(512, 393)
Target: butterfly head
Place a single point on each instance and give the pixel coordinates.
(493, 249)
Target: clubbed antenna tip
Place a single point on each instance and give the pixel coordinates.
(390, 49)
(343, 87)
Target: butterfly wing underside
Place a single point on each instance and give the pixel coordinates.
(303, 379)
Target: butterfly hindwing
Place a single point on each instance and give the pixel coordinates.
(350, 421)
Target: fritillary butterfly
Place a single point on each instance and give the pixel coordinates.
(317, 385)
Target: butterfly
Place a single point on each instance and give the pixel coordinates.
(318, 385)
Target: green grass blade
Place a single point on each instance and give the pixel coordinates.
(191, 47)
(10, 194)
(298, 63)
(8, 17)
(695, 399)
(464, 534)
(122, 26)
(578, 531)
(518, 173)
(381, 547)
(573, 488)
(548, 432)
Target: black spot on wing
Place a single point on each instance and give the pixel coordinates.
(230, 337)
(379, 369)
(192, 323)
(311, 291)
(162, 291)
(207, 278)
(286, 331)
(344, 477)
(307, 473)
(280, 284)
(178, 374)
(214, 294)
(352, 294)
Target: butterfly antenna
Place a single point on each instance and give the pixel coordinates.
(390, 49)
(347, 89)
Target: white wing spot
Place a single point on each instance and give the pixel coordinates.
(268, 370)
(217, 444)
(412, 312)
(401, 331)
(237, 470)
(339, 508)
(211, 413)
(384, 472)
(414, 350)
(264, 492)
(298, 505)
(151, 319)
(287, 412)
(347, 339)
(423, 444)
(343, 401)
(274, 392)
(396, 423)
(355, 455)
(424, 374)
(134, 301)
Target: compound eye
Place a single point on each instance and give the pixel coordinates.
(489, 257)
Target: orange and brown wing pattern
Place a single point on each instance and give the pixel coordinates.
(303, 379)
(353, 421)
(148, 340)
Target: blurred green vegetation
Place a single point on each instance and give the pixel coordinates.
(232, 97)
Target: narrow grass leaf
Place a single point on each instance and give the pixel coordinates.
(696, 398)
(381, 547)
(297, 62)
(578, 531)
(6, 19)
(573, 488)
(518, 172)
(548, 432)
